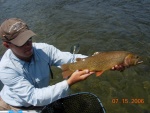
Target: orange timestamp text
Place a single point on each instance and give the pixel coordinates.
(128, 101)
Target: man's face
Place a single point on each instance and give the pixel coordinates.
(22, 52)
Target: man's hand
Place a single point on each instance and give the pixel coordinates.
(118, 67)
(78, 76)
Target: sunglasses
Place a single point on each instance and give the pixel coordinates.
(28, 41)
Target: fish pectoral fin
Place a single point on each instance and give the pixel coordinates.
(99, 73)
(66, 74)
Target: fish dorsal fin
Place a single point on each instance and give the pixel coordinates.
(96, 53)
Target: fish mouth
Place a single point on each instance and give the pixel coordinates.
(139, 62)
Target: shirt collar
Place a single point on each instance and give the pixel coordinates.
(13, 57)
(21, 62)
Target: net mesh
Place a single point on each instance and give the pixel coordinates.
(77, 103)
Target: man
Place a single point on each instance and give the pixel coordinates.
(25, 69)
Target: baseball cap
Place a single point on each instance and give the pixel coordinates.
(16, 31)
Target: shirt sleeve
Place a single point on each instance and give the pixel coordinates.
(18, 87)
(22, 89)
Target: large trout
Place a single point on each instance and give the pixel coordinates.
(101, 61)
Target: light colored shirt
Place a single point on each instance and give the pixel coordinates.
(27, 83)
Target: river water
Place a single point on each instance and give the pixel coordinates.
(97, 25)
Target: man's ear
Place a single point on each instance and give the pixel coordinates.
(6, 44)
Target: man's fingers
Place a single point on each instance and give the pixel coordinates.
(82, 72)
(86, 74)
(78, 76)
(118, 67)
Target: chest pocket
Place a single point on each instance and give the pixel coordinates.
(41, 75)
(38, 73)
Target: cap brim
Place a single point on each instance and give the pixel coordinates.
(22, 38)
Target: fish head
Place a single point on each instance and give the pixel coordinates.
(132, 59)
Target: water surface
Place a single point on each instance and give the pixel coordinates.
(97, 25)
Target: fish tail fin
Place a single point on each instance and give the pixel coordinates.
(66, 71)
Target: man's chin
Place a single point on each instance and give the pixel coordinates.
(29, 53)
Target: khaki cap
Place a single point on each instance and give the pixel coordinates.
(15, 31)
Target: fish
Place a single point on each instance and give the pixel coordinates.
(99, 62)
